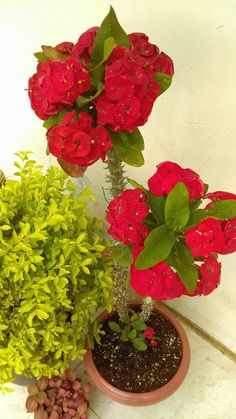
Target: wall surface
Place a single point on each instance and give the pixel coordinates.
(194, 123)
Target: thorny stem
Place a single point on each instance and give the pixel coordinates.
(117, 182)
(146, 309)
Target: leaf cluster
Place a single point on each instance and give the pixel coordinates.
(52, 273)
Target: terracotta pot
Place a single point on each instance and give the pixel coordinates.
(152, 397)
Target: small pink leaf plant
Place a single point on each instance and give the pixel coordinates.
(172, 233)
(63, 397)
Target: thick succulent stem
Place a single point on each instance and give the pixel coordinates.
(146, 309)
(117, 182)
(2, 178)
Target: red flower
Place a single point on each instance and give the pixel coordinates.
(159, 282)
(205, 238)
(209, 277)
(65, 47)
(168, 174)
(219, 196)
(229, 231)
(126, 214)
(149, 333)
(82, 50)
(154, 343)
(77, 142)
(56, 85)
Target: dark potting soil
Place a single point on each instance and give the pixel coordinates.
(139, 371)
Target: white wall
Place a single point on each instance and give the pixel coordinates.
(194, 123)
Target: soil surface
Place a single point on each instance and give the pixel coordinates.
(139, 371)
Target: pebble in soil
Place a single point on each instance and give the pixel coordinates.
(139, 371)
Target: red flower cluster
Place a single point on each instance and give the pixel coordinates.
(169, 173)
(206, 238)
(126, 214)
(76, 142)
(159, 282)
(209, 277)
(56, 85)
(149, 333)
(130, 87)
(82, 50)
(228, 227)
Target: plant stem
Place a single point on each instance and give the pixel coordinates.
(146, 309)
(117, 182)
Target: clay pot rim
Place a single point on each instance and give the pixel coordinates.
(151, 397)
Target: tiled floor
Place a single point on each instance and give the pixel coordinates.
(208, 392)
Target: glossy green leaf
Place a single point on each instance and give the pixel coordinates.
(132, 334)
(164, 81)
(114, 326)
(182, 260)
(133, 140)
(196, 217)
(53, 120)
(223, 210)
(41, 57)
(127, 155)
(136, 185)
(139, 344)
(110, 27)
(122, 254)
(53, 54)
(84, 100)
(157, 206)
(138, 325)
(108, 47)
(157, 247)
(177, 207)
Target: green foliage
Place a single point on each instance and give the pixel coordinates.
(128, 146)
(52, 273)
(223, 210)
(177, 207)
(157, 247)
(84, 100)
(110, 28)
(182, 260)
(122, 254)
(164, 80)
(130, 330)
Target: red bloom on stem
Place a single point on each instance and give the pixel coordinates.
(77, 142)
(219, 196)
(65, 47)
(168, 174)
(56, 86)
(82, 50)
(126, 214)
(205, 238)
(159, 282)
(149, 333)
(209, 277)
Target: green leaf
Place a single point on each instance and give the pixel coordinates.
(128, 155)
(5, 228)
(196, 217)
(157, 247)
(110, 27)
(164, 80)
(41, 57)
(114, 326)
(108, 47)
(53, 54)
(182, 260)
(157, 206)
(223, 210)
(139, 344)
(133, 140)
(122, 254)
(53, 120)
(150, 222)
(177, 207)
(136, 185)
(132, 334)
(138, 325)
(83, 100)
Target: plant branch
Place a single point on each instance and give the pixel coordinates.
(146, 309)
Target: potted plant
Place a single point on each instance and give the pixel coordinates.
(170, 239)
(53, 275)
(93, 95)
